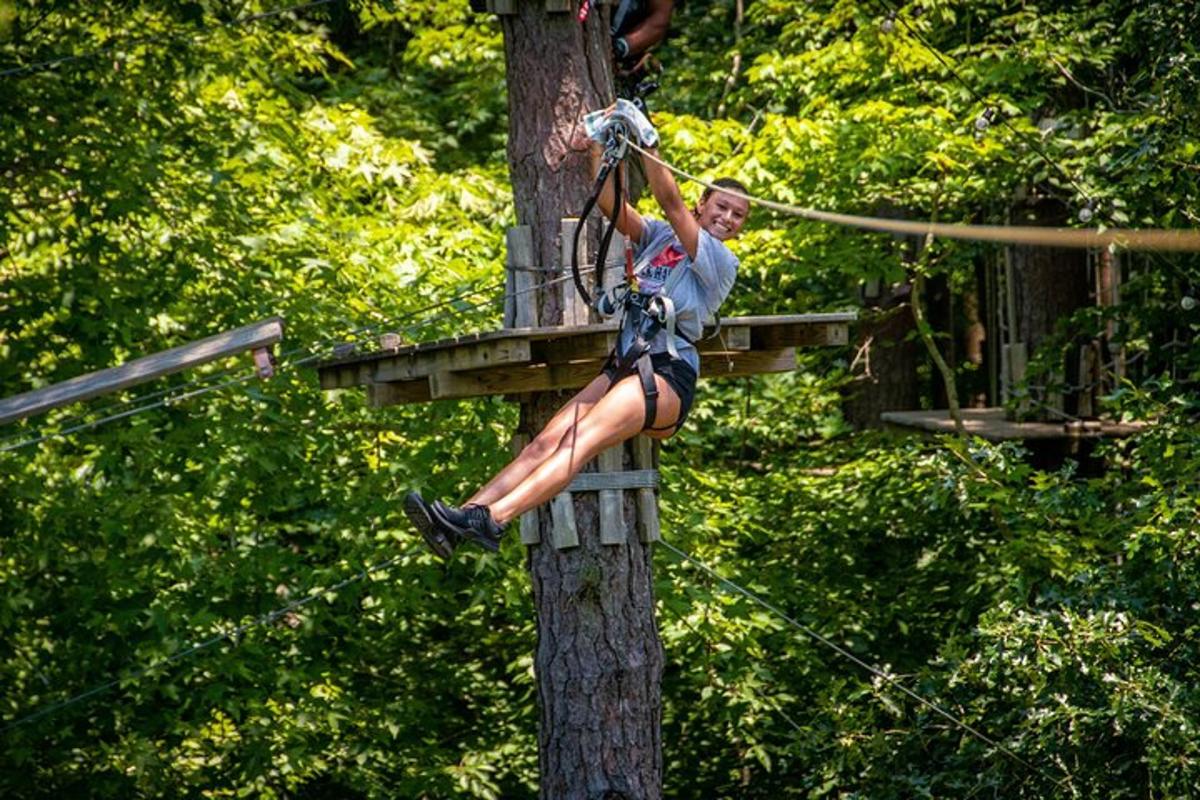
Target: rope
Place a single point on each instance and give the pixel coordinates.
(1182, 240)
(891, 681)
(236, 633)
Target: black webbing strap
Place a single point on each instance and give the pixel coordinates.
(650, 388)
(618, 202)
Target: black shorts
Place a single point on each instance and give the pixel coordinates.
(678, 374)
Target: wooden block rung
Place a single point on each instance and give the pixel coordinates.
(562, 512)
(614, 481)
(612, 501)
(647, 512)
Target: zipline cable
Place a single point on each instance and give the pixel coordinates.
(165, 39)
(1182, 240)
(891, 681)
(231, 635)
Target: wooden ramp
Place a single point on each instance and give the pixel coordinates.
(257, 337)
(519, 360)
(990, 424)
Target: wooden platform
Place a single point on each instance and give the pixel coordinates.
(990, 424)
(519, 360)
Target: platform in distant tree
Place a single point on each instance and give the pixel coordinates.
(990, 424)
(520, 360)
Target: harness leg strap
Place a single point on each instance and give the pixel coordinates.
(649, 388)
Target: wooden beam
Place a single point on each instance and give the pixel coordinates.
(380, 395)
(514, 380)
(991, 424)
(611, 499)
(756, 362)
(84, 387)
(822, 334)
(520, 298)
(614, 478)
(574, 310)
(588, 347)
(478, 355)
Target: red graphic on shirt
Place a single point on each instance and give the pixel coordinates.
(669, 257)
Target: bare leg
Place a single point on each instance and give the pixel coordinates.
(542, 445)
(617, 416)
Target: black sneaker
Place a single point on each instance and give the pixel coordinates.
(440, 541)
(469, 522)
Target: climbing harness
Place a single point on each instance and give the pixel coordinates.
(643, 315)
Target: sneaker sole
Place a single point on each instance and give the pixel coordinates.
(417, 513)
(467, 534)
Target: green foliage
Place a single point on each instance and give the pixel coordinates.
(186, 172)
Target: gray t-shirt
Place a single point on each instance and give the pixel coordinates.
(698, 294)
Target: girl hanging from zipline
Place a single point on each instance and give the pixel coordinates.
(684, 271)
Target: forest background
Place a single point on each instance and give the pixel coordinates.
(189, 168)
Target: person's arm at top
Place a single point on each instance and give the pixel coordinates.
(629, 223)
(653, 28)
(666, 192)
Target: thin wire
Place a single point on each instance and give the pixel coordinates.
(236, 633)
(858, 661)
(167, 39)
(129, 413)
(1185, 240)
(1029, 140)
(311, 357)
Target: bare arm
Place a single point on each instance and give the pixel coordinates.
(629, 223)
(666, 192)
(653, 28)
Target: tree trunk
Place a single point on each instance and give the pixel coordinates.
(1049, 284)
(886, 368)
(599, 659)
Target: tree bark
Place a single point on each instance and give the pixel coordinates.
(1049, 284)
(599, 659)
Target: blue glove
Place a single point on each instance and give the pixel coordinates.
(597, 123)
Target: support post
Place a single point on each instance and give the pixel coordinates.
(575, 311)
(520, 303)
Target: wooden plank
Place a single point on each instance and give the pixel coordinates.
(522, 299)
(142, 370)
(476, 355)
(529, 520)
(567, 334)
(800, 335)
(585, 347)
(991, 424)
(647, 510)
(644, 449)
(611, 500)
(563, 332)
(562, 513)
(575, 311)
(512, 380)
(530, 534)
(559, 5)
(614, 478)
(729, 337)
(380, 395)
(731, 365)
(644, 452)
